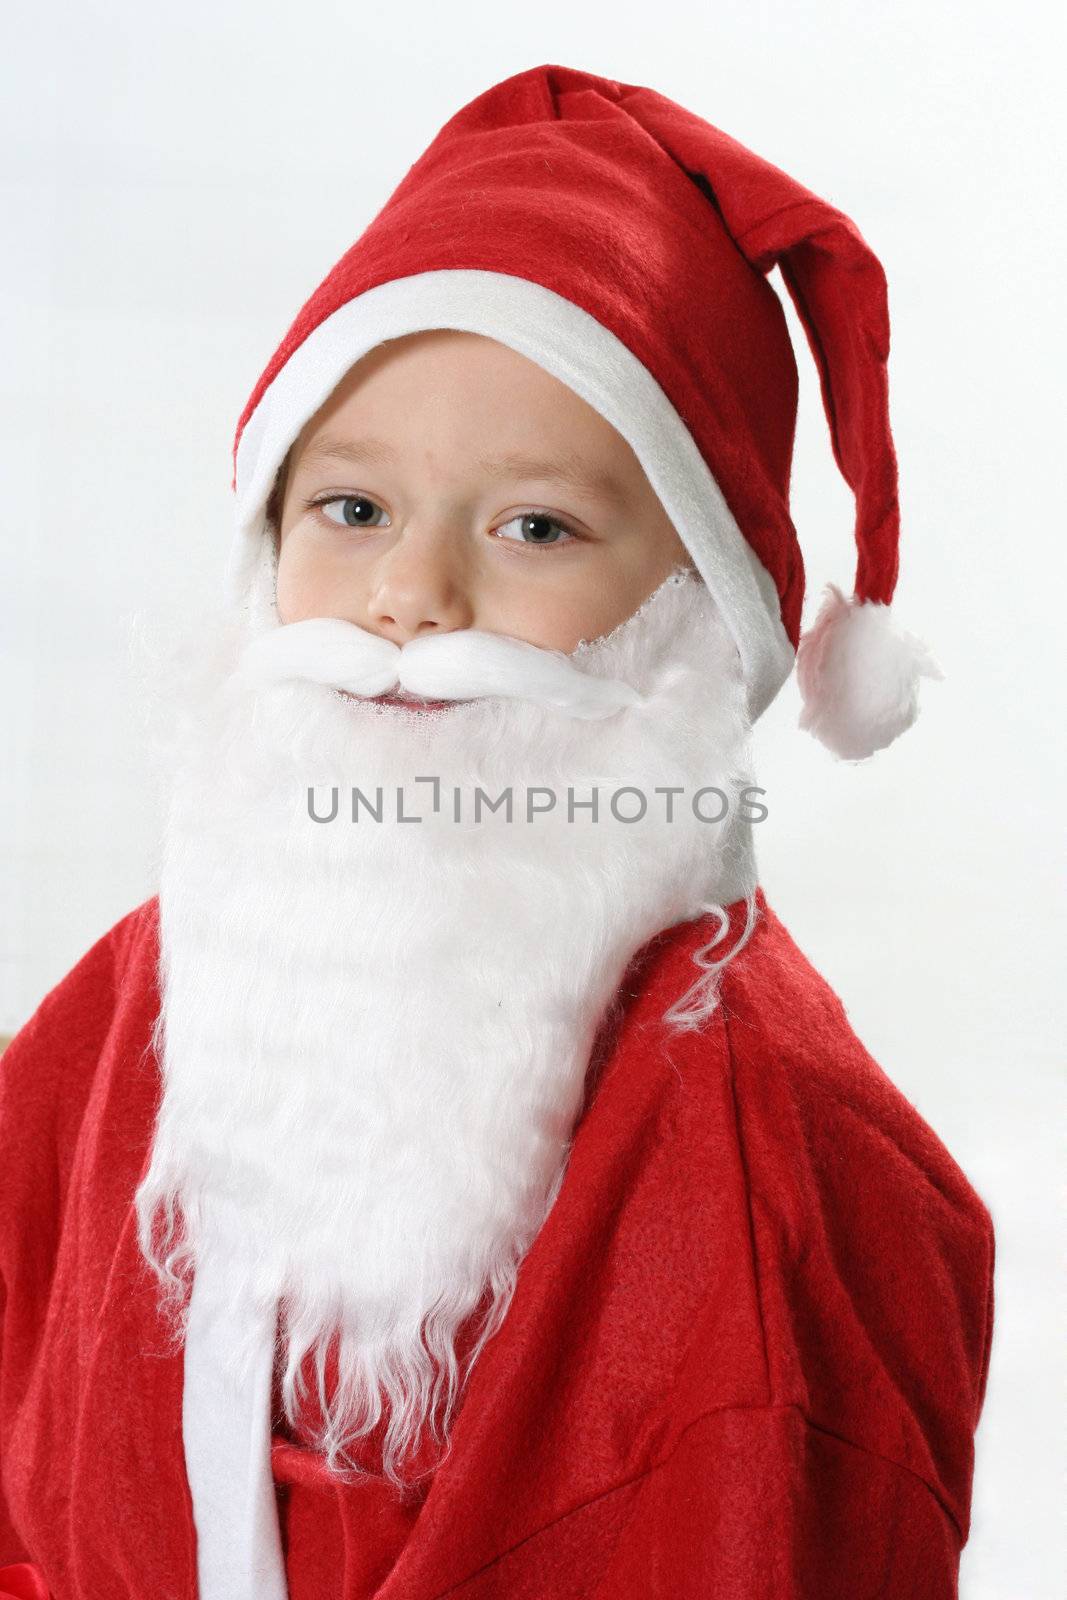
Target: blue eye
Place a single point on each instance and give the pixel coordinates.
(538, 524)
(357, 510)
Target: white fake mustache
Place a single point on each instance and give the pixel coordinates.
(464, 664)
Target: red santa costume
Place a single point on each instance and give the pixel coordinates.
(500, 1206)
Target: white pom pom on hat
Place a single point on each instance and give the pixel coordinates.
(859, 676)
(623, 243)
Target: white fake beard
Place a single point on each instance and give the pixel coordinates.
(374, 1035)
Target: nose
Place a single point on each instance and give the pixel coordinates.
(418, 586)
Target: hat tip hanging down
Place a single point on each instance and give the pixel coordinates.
(858, 675)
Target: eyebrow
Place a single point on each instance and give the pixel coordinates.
(570, 470)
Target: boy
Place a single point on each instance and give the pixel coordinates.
(455, 1180)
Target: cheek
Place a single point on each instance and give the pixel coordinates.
(591, 599)
(575, 611)
(306, 579)
(289, 588)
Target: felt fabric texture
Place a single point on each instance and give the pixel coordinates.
(22, 1580)
(746, 1356)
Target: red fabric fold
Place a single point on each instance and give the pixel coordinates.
(745, 1357)
(23, 1581)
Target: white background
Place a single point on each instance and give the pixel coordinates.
(175, 183)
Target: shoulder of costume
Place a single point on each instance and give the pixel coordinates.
(869, 1239)
(52, 1058)
(805, 1085)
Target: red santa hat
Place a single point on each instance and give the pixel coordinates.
(623, 244)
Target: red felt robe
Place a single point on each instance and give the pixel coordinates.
(745, 1358)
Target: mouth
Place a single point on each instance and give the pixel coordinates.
(404, 700)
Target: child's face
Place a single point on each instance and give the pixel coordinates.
(404, 507)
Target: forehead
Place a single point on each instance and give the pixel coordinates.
(472, 397)
(569, 468)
